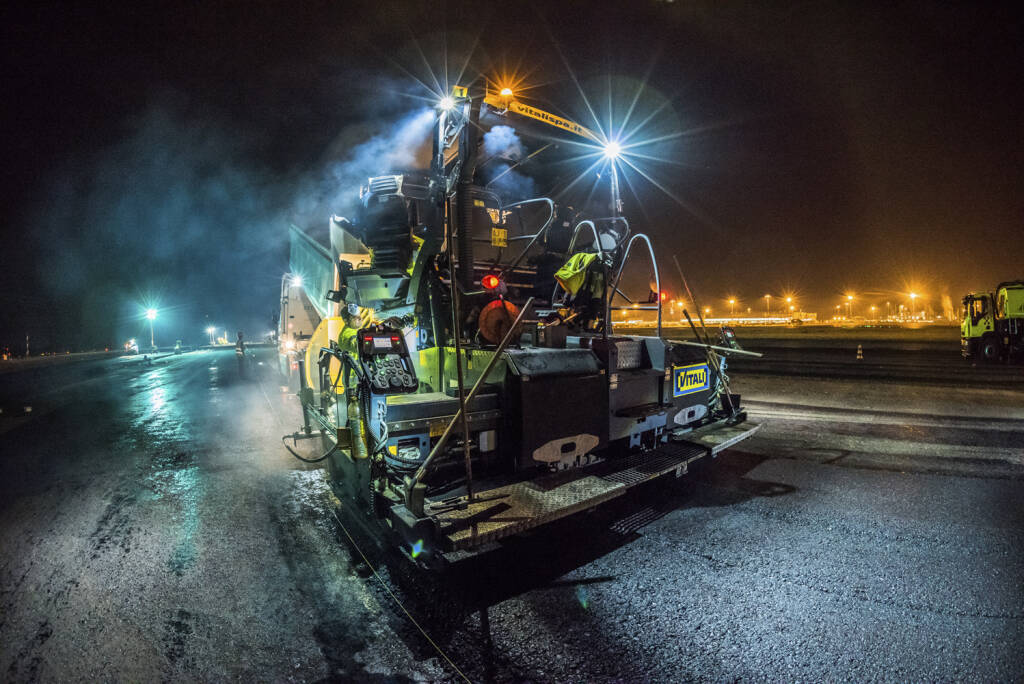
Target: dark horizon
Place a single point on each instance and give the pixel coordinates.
(156, 154)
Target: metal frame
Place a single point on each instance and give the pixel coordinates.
(536, 236)
(618, 276)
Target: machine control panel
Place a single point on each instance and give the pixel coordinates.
(727, 338)
(385, 357)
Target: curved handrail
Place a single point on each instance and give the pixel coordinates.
(618, 276)
(576, 232)
(536, 236)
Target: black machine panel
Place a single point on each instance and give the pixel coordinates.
(385, 357)
(562, 412)
(691, 389)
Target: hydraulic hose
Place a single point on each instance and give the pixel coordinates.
(303, 458)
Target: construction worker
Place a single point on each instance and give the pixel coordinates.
(582, 278)
(355, 318)
(240, 354)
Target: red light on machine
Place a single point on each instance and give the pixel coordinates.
(490, 281)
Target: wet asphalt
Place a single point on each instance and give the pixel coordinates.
(152, 528)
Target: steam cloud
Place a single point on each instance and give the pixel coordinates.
(502, 141)
(186, 214)
(403, 145)
(501, 146)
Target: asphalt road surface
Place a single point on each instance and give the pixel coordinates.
(152, 527)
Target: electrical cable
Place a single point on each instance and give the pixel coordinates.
(394, 598)
(366, 560)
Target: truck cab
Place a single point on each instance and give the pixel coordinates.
(977, 322)
(992, 325)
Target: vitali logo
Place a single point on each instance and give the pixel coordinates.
(689, 379)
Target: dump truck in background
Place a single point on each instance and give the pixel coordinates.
(992, 327)
(464, 382)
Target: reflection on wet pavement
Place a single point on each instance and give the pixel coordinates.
(154, 530)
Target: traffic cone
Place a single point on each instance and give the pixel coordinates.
(860, 353)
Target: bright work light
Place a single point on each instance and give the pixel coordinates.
(612, 149)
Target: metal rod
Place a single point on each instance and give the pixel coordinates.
(469, 397)
(524, 159)
(457, 329)
(701, 341)
(693, 299)
(725, 350)
(616, 199)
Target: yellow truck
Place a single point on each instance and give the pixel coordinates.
(992, 326)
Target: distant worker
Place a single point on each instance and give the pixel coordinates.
(240, 354)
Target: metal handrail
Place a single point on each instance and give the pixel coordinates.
(618, 276)
(576, 232)
(536, 236)
(616, 219)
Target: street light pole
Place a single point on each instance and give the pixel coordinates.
(151, 315)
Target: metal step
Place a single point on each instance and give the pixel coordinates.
(720, 438)
(511, 509)
(645, 466)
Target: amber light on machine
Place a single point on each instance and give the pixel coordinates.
(490, 281)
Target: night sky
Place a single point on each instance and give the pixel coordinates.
(155, 154)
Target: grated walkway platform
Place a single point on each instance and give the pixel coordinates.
(515, 508)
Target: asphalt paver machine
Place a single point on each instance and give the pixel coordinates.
(465, 378)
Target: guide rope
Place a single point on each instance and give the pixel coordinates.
(366, 560)
(396, 600)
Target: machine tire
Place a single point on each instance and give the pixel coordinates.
(988, 349)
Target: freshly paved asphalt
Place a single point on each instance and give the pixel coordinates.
(153, 528)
